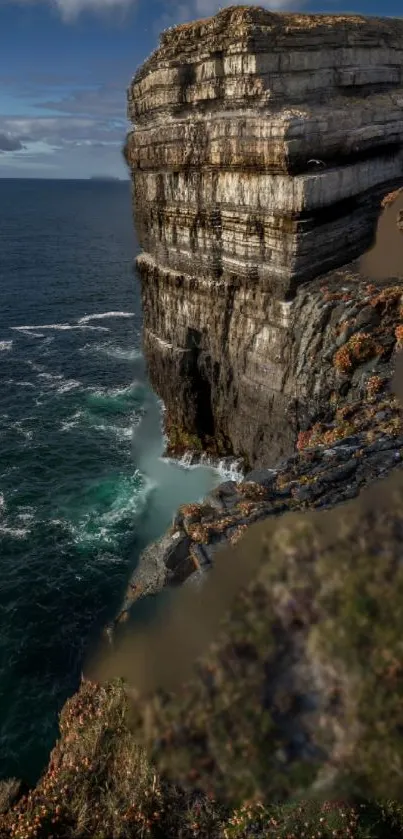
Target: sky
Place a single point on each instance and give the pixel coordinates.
(65, 66)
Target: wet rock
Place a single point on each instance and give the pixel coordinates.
(368, 316)
(165, 561)
(339, 473)
(381, 461)
(330, 476)
(203, 554)
(265, 477)
(384, 444)
(217, 503)
(348, 443)
(176, 558)
(225, 497)
(225, 490)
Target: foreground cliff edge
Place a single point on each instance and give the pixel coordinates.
(300, 693)
(299, 697)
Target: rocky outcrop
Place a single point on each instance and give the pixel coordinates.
(335, 461)
(349, 348)
(262, 146)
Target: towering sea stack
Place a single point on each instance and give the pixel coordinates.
(261, 148)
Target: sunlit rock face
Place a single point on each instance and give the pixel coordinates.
(260, 149)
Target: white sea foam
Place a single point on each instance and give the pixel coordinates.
(62, 327)
(229, 468)
(27, 433)
(69, 384)
(26, 515)
(52, 377)
(114, 392)
(99, 528)
(102, 315)
(17, 533)
(59, 326)
(28, 331)
(37, 368)
(124, 433)
(73, 422)
(112, 352)
(93, 328)
(20, 384)
(57, 382)
(17, 425)
(5, 346)
(125, 355)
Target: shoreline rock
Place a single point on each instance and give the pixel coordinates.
(335, 461)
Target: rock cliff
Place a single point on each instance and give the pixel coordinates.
(261, 147)
(262, 330)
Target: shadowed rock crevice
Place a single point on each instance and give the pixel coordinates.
(200, 375)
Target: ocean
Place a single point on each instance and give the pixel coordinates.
(83, 484)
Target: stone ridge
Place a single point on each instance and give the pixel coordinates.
(261, 150)
(261, 24)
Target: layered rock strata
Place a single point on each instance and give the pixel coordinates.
(352, 342)
(261, 148)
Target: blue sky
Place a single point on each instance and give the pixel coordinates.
(65, 66)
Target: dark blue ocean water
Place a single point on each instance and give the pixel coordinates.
(83, 486)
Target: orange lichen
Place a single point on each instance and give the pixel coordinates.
(198, 533)
(374, 385)
(390, 197)
(399, 334)
(236, 536)
(189, 509)
(387, 298)
(360, 347)
(304, 438)
(246, 507)
(332, 296)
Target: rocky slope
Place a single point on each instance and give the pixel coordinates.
(261, 147)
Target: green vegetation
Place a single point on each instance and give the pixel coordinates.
(100, 784)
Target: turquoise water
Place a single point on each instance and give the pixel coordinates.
(83, 486)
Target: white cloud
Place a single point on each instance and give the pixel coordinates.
(175, 13)
(70, 9)
(204, 8)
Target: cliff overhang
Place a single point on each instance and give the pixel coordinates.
(261, 147)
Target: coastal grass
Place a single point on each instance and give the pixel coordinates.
(100, 784)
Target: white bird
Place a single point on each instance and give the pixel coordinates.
(318, 162)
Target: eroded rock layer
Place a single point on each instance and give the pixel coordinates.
(261, 148)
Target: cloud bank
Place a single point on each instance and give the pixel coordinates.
(9, 143)
(71, 9)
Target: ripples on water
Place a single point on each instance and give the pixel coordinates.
(83, 486)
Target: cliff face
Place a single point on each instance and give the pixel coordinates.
(261, 148)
